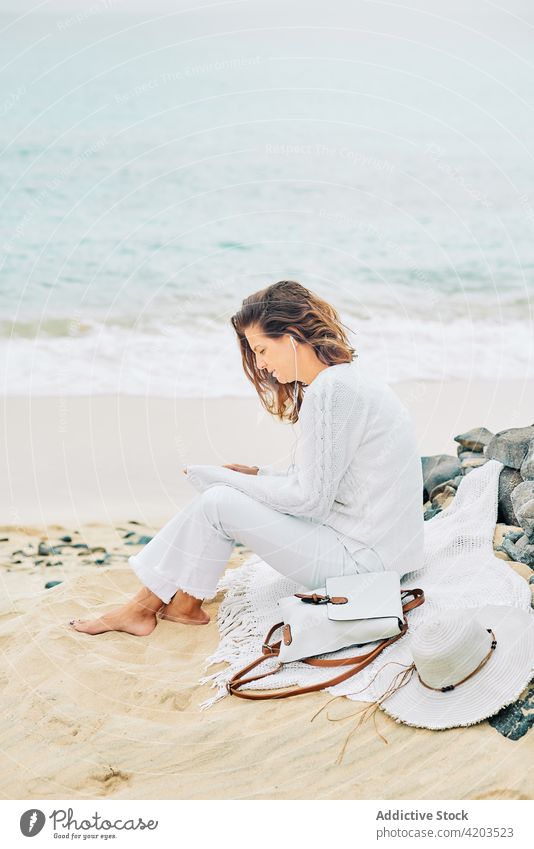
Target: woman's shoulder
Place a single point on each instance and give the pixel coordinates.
(343, 376)
(351, 383)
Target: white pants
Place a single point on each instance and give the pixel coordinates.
(191, 551)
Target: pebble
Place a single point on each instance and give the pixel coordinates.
(474, 440)
(141, 540)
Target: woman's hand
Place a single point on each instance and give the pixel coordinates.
(237, 467)
(246, 470)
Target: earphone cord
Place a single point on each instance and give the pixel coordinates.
(295, 391)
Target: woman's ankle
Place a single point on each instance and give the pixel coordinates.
(146, 601)
(185, 602)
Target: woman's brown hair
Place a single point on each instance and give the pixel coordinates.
(288, 307)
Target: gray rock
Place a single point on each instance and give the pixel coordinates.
(523, 503)
(508, 480)
(101, 560)
(527, 466)
(453, 482)
(50, 584)
(510, 446)
(464, 454)
(472, 462)
(438, 468)
(469, 468)
(513, 536)
(514, 720)
(442, 499)
(521, 551)
(142, 539)
(428, 514)
(474, 440)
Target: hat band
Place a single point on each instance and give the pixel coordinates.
(480, 665)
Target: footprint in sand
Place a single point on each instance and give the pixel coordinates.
(110, 780)
(502, 794)
(178, 701)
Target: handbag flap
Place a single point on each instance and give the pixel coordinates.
(370, 595)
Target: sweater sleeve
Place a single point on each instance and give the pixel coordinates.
(327, 442)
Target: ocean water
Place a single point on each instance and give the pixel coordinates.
(160, 164)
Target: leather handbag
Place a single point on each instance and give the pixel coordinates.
(350, 610)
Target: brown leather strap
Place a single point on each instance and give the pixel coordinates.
(358, 662)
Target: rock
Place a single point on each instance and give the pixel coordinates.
(50, 584)
(46, 550)
(508, 480)
(514, 720)
(141, 540)
(510, 446)
(101, 560)
(429, 514)
(470, 455)
(437, 469)
(521, 551)
(453, 482)
(513, 536)
(473, 462)
(522, 497)
(474, 440)
(4, 539)
(66, 539)
(527, 466)
(502, 533)
(444, 498)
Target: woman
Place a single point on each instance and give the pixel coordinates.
(351, 502)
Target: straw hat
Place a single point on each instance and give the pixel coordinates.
(461, 667)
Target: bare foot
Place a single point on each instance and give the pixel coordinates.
(198, 617)
(130, 618)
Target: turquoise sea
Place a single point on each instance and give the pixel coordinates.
(160, 163)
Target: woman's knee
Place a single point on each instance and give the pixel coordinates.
(217, 496)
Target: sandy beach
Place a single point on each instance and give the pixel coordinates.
(117, 716)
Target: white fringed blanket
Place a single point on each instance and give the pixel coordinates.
(460, 570)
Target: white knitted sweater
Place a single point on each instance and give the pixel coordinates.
(357, 468)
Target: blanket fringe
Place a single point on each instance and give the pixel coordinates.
(237, 627)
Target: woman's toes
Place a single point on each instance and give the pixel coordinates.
(139, 626)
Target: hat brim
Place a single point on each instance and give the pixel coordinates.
(500, 682)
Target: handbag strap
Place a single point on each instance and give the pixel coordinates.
(358, 662)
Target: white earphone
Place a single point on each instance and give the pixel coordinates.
(295, 392)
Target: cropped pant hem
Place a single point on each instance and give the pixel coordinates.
(162, 587)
